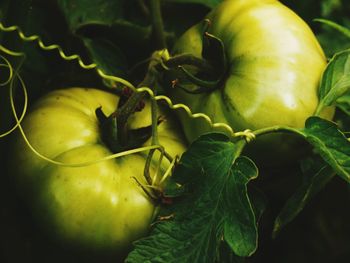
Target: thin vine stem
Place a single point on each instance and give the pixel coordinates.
(157, 24)
(275, 129)
(123, 113)
(154, 140)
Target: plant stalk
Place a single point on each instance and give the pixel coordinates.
(277, 128)
(157, 24)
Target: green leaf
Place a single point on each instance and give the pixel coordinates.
(82, 12)
(335, 80)
(107, 56)
(240, 227)
(226, 255)
(330, 143)
(343, 113)
(316, 174)
(210, 204)
(127, 24)
(259, 201)
(344, 103)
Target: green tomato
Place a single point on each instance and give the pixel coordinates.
(99, 206)
(274, 68)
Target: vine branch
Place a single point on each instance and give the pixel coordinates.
(157, 24)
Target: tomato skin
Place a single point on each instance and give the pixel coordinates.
(274, 68)
(99, 206)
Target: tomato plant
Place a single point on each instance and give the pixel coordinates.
(264, 106)
(99, 205)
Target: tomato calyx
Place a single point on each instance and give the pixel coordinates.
(110, 133)
(204, 79)
(214, 51)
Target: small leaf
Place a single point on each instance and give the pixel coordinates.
(316, 175)
(335, 80)
(226, 255)
(210, 205)
(330, 143)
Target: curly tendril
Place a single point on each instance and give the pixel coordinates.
(188, 111)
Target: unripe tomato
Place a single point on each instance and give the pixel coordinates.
(274, 65)
(98, 206)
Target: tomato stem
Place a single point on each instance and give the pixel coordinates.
(319, 109)
(157, 24)
(154, 112)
